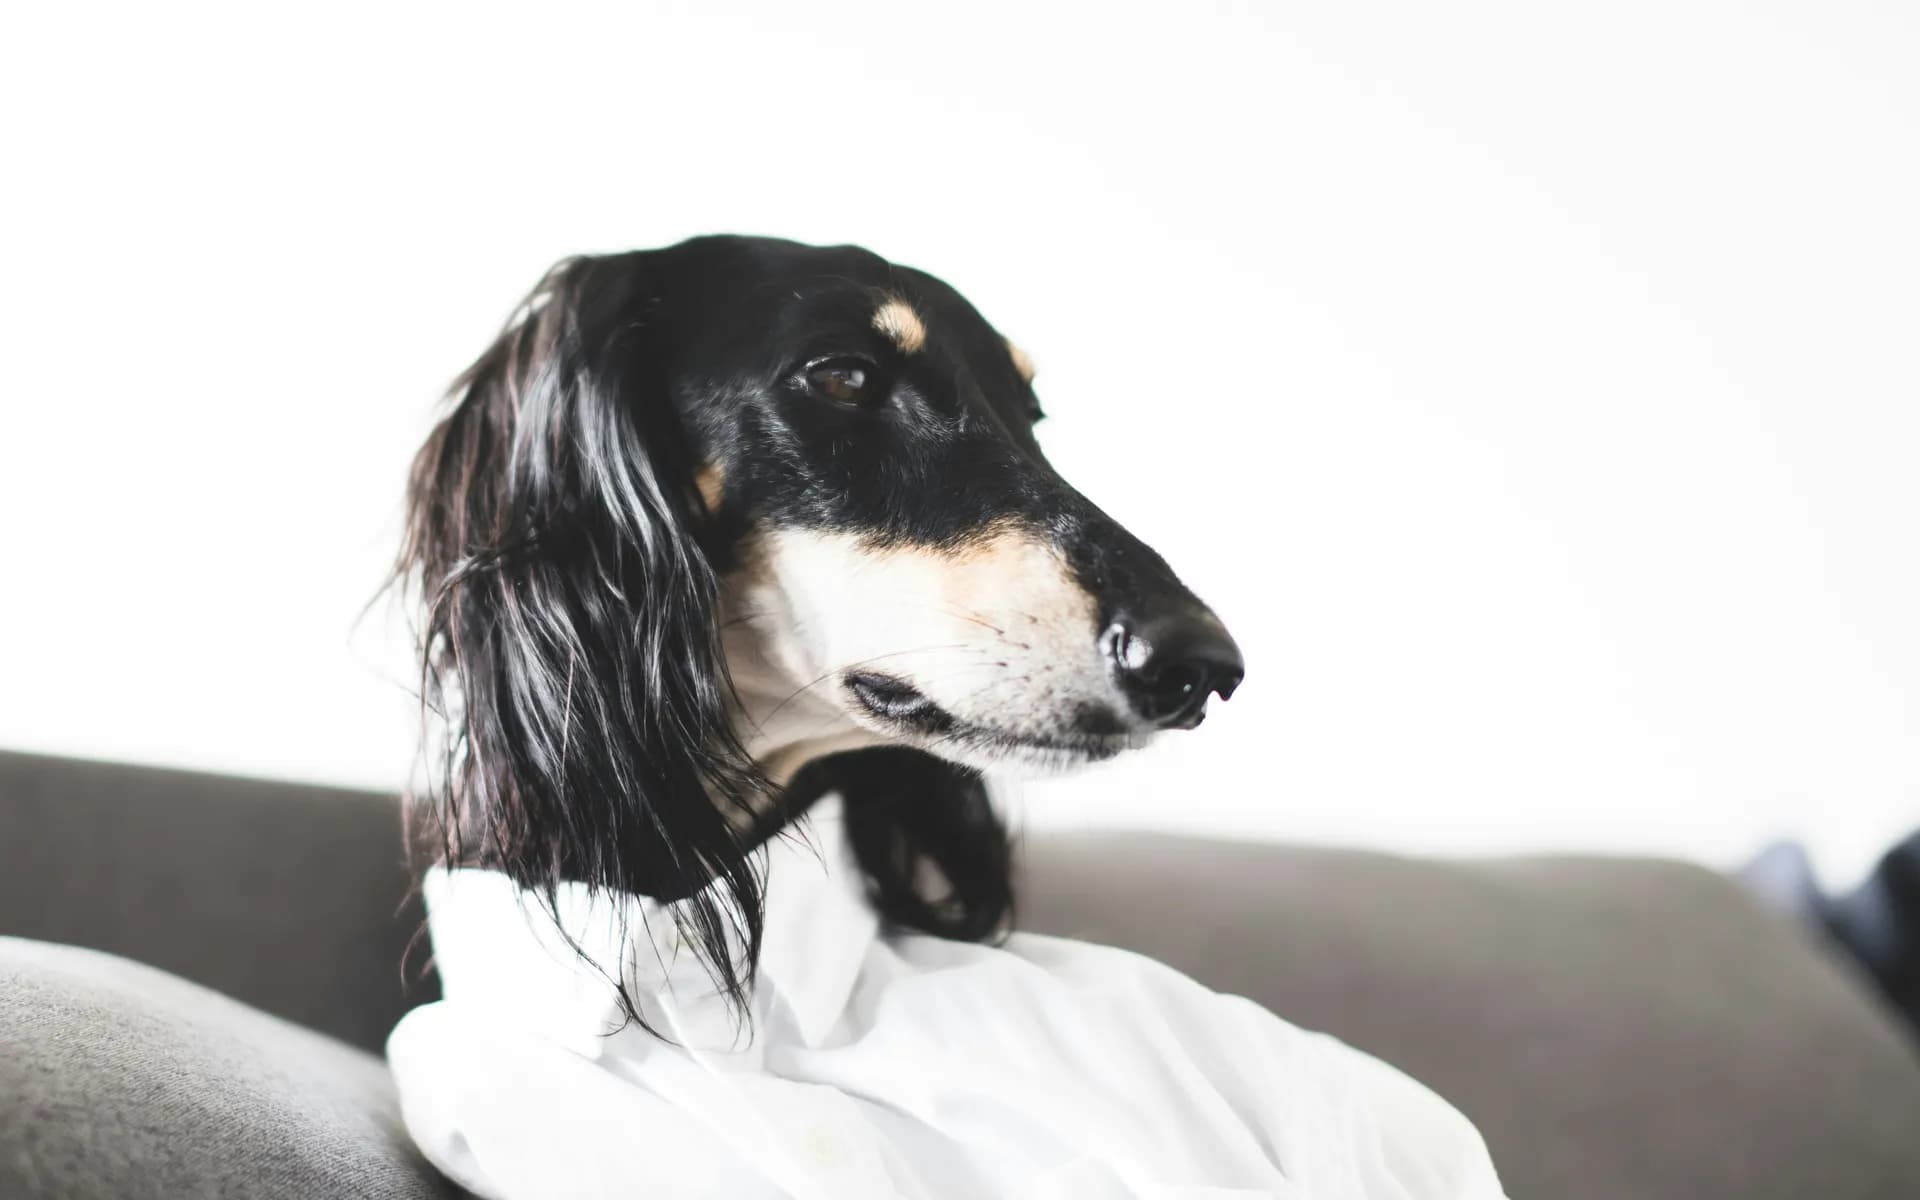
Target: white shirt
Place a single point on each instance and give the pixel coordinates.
(881, 1065)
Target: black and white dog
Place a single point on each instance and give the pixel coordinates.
(714, 529)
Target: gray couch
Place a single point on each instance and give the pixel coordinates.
(1617, 1028)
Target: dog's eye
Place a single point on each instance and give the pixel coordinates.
(849, 381)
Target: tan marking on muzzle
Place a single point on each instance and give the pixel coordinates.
(1022, 361)
(899, 322)
(1007, 569)
(994, 629)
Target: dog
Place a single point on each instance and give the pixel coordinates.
(712, 530)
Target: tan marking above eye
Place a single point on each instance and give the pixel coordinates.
(1022, 361)
(899, 322)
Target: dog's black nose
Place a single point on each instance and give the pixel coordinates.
(1169, 665)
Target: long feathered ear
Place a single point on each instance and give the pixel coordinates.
(569, 648)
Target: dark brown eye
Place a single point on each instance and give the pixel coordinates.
(845, 381)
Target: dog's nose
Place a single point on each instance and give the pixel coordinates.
(1169, 665)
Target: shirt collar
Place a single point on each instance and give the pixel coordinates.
(497, 948)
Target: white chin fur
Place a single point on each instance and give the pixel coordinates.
(1024, 761)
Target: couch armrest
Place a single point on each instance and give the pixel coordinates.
(121, 1082)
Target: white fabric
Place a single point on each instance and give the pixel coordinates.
(881, 1065)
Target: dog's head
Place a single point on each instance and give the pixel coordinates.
(704, 517)
(902, 564)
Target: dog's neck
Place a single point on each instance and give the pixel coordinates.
(784, 710)
(784, 724)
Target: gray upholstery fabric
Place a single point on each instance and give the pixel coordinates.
(291, 898)
(1616, 1028)
(119, 1082)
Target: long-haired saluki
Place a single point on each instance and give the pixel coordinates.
(713, 532)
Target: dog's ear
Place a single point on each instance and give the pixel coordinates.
(570, 650)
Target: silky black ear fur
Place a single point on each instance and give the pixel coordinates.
(570, 646)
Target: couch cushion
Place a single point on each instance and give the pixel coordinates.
(1616, 1028)
(120, 1082)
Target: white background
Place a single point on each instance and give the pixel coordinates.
(1533, 388)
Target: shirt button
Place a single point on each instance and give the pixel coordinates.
(825, 1148)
